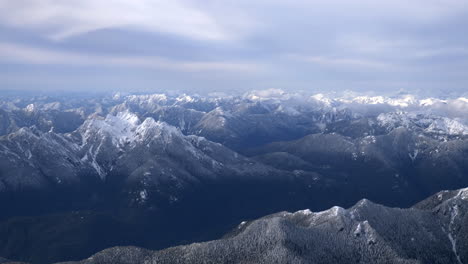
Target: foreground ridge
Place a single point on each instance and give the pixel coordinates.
(432, 231)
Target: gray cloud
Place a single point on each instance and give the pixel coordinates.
(298, 44)
(24, 54)
(63, 19)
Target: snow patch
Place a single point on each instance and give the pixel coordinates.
(143, 195)
(453, 215)
(413, 155)
(303, 212)
(30, 108)
(454, 247)
(185, 99)
(428, 123)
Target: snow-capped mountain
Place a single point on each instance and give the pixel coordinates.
(170, 157)
(147, 153)
(425, 123)
(268, 112)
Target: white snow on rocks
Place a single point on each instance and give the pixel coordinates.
(30, 108)
(429, 123)
(436, 115)
(125, 128)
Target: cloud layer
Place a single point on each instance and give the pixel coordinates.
(334, 44)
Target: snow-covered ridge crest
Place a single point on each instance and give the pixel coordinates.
(455, 106)
(122, 131)
(147, 98)
(398, 100)
(403, 101)
(124, 128)
(450, 107)
(313, 218)
(429, 123)
(119, 127)
(447, 116)
(268, 94)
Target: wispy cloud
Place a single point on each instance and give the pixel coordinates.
(398, 48)
(338, 62)
(63, 19)
(418, 42)
(439, 52)
(16, 53)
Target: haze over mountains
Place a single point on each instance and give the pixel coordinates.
(80, 175)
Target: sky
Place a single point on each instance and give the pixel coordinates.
(239, 45)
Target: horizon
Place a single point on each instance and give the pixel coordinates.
(344, 94)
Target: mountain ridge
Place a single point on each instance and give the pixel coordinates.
(146, 162)
(364, 233)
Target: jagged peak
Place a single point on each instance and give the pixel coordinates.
(303, 212)
(363, 203)
(460, 194)
(184, 98)
(129, 117)
(267, 94)
(463, 194)
(117, 126)
(150, 127)
(428, 122)
(335, 211)
(126, 127)
(147, 99)
(30, 108)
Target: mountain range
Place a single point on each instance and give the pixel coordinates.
(78, 175)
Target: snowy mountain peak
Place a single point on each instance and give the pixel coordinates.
(321, 98)
(119, 127)
(268, 94)
(428, 123)
(461, 194)
(126, 128)
(147, 99)
(314, 217)
(151, 128)
(130, 118)
(185, 98)
(30, 108)
(403, 101)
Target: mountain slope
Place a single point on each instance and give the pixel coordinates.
(139, 157)
(131, 175)
(400, 163)
(434, 231)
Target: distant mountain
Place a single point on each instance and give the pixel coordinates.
(131, 169)
(397, 164)
(433, 231)
(139, 158)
